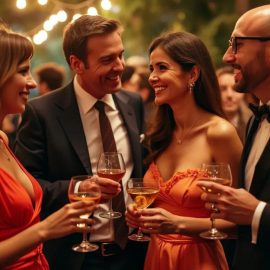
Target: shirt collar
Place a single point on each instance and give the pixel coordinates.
(86, 101)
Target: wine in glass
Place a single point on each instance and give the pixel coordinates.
(111, 165)
(143, 193)
(84, 188)
(219, 173)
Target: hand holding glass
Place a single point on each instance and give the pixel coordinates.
(219, 173)
(84, 188)
(143, 192)
(111, 165)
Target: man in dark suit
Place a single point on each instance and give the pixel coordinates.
(60, 137)
(249, 55)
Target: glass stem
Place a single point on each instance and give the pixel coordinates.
(110, 206)
(85, 240)
(212, 223)
(140, 233)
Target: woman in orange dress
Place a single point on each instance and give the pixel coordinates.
(21, 232)
(189, 129)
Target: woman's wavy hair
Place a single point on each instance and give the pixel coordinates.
(187, 50)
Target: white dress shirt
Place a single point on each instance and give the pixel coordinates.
(90, 120)
(260, 141)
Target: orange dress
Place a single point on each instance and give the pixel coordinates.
(17, 213)
(180, 195)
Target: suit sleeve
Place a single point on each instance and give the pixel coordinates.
(264, 229)
(30, 147)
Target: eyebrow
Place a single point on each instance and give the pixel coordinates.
(112, 54)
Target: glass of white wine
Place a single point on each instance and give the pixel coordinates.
(111, 165)
(221, 174)
(84, 188)
(143, 193)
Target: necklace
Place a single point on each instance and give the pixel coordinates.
(179, 141)
(2, 148)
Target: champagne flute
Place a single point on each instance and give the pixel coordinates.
(111, 165)
(84, 188)
(143, 193)
(219, 173)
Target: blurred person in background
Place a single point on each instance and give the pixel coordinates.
(233, 103)
(137, 61)
(50, 76)
(126, 76)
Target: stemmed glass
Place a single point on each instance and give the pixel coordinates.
(84, 188)
(219, 173)
(143, 193)
(111, 165)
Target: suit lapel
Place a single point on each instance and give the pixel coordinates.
(250, 137)
(129, 117)
(70, 120)
(262, 170)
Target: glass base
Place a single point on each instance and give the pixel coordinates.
(110, 215)
(85, 246)
(213, 234)
(139, 238)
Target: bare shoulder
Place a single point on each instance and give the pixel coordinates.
(221, 130)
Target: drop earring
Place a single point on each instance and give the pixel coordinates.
(191, 86)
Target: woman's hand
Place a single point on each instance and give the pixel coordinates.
(65, 220)
(132, 216)
(155, 220)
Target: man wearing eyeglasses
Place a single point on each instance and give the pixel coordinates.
(249, 207)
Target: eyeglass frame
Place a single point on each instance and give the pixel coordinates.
(233, 41)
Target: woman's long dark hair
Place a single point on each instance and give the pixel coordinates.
(187, 50)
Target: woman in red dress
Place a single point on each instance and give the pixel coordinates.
(21, 232)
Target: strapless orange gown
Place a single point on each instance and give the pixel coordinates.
(180, 195)
(17, 212)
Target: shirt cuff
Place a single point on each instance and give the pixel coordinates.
(256, 221)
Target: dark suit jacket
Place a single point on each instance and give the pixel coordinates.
(51, 145)
(248, 255)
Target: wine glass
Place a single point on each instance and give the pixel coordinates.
(111, 165)
(143, 193)
(219, 173)
(84, 188)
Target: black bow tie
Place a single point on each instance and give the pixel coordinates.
(260, 112)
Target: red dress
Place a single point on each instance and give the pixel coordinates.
(17, 213)
(181, 196)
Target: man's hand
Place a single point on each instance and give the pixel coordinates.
(235, 205)
(109, 188)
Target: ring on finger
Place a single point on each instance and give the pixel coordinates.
(214, 208)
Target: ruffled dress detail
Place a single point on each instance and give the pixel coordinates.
(181, 196)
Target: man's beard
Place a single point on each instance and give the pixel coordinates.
(241, 86)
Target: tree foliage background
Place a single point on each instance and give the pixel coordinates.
(211, 20)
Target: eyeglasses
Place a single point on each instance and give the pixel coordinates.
(233, 41)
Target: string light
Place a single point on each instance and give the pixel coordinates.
(92, 11)
(60, 14)
(106, 4)
(21, 4)
(76, 16)
(42, 2)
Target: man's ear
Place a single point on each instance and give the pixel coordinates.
(76, 64)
